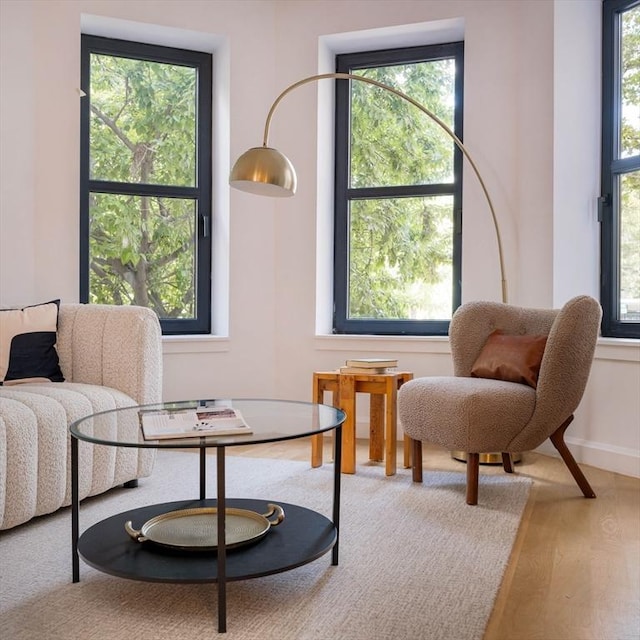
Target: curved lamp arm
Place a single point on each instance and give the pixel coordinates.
(266, 171)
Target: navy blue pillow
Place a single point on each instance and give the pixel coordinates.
(28, 344)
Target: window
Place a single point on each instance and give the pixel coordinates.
(145, 199)
(620, 201)
(398, 192)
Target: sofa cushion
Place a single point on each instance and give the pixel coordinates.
(36, 463)
(28, 344)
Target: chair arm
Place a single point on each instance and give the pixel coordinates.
(564, 370)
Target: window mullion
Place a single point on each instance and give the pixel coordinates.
(404, 191)
(141, 189)
(625, 165)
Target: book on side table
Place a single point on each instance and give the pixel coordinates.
(369, 370)
(162, 424)
(369, 365)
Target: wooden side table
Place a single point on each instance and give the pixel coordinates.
(383, 389)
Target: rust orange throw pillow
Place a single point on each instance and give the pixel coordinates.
(510, 358)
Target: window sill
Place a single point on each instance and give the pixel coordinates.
(194, 344)
(383, 344)
(616, 349)
(621, 349)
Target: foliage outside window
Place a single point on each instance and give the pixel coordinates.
(398, 192)
(620, 201)
(146, 180)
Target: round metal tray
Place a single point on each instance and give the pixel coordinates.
(197, 529)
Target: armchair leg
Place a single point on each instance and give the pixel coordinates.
(416, 457)
(473, 470)
(507, 463)
(557, 437)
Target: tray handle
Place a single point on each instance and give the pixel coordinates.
(278, 511)
(136, 534)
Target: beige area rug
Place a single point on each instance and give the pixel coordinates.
(416, 562)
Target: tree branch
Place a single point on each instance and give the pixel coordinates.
(114, 127)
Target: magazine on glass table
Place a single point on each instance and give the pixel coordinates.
(198, 422)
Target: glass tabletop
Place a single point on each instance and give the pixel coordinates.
(268, 421)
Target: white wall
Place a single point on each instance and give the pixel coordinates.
(17, 166)
(520, 76)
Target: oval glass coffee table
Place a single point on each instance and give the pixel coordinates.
(303, 536)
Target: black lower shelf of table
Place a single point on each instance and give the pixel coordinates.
(302, 537)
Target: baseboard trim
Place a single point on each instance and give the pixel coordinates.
(598, 454)
(609, 457)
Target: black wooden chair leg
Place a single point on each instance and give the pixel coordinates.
(557, 437)
(416, 458)
(507, 462)
(473, 471)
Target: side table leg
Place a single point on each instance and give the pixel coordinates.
(316, 450)
(347, 402)
(376, 421)
(317, 393)
(391, 424)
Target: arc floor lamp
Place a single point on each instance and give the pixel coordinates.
(268, 172)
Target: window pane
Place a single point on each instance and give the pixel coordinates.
(401, 258)
(143, 121)
(142, 251)
(630, 83)
(393, 142)
(630, 247)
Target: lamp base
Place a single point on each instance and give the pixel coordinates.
(486, 458)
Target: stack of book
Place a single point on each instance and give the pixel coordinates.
(369, 365)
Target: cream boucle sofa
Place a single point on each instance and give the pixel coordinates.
(110, 356)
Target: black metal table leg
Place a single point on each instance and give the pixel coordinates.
(75, 515)
(222, 547)
(337, 476)
(203, 473)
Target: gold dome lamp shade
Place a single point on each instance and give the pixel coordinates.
(264, 171)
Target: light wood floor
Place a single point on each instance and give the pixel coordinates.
(574, 573)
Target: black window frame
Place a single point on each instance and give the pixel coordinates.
(612, 168)
(347, 63)
(201, 192)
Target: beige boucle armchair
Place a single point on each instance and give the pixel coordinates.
(110, 356)
(478, 415)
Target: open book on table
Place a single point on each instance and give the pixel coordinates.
(161, 424)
